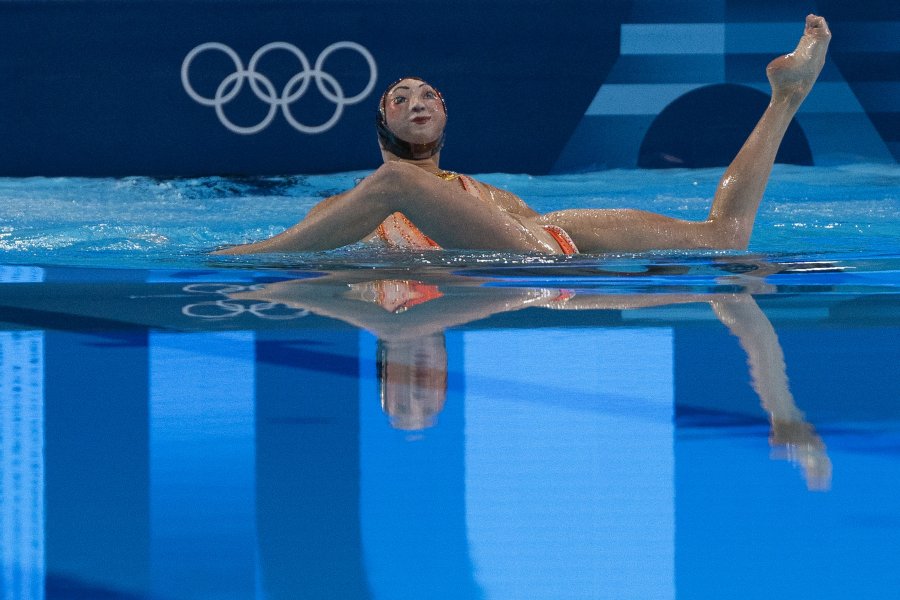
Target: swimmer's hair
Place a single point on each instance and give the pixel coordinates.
(402, 148)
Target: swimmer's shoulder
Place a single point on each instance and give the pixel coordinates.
(507, 200)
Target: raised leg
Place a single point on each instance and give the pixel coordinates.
(740, 190)
(792, 77)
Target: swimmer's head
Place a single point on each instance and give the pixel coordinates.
(411, 119)
(413, 376)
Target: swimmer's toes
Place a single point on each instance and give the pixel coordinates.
(795, 73)
(816, 38)
(817, 26)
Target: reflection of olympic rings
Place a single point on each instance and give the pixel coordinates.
(220, 288)
(223, 309)
(227, 308)
(264, 89)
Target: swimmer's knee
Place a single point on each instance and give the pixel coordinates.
(385, 182)
(725, 234)
(397, 177)
(389, 172)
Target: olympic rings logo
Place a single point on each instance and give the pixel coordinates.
(265, 91)
(217, 310)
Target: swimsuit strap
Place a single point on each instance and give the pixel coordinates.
(469, 185)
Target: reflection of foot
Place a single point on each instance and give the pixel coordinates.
(797, 442)
(792, 75)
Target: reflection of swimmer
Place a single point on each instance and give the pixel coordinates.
(411, 202)
(410, 317)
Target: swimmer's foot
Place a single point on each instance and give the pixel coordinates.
(797, 442)
(793, 75)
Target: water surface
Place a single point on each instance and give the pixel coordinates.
(363, 424)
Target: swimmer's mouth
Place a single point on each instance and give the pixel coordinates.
(421, 120)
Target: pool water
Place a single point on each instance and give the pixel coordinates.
(141, 222)
(365, 424)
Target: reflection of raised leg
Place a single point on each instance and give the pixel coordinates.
(741, 187)
(792, 437)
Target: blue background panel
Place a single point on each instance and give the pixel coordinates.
(94, 87)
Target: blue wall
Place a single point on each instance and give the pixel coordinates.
(96, 87)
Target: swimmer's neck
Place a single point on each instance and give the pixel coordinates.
(429, 164)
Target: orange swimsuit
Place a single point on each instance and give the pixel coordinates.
(396, 295)
(399, 232)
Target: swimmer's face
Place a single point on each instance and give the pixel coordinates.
(414, 111)
(414, 381)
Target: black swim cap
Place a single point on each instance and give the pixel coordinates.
(402, 148)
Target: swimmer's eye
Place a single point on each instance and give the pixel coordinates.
(398, 99)
(431, 95)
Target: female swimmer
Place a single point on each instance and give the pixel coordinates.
(409, 201)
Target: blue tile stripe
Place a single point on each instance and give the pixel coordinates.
(747, 38)
(637, 98)
(673, 38)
